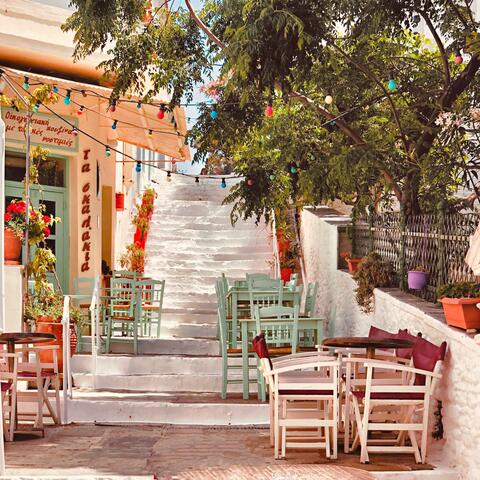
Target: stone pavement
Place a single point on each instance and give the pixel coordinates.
(173, 452)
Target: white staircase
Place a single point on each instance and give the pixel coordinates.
(177, 378)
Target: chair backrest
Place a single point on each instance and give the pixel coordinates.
(257, 276)
(31, 362)
(292, 283)
(265, 293)
(6, 375)
(152, 291)
(405, 335)
(427, 356)
(311, 299)
(125, 274)
(222, 316)
(279, 325)
(123, 297)
(83, 286)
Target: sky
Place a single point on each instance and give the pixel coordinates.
(191, 111)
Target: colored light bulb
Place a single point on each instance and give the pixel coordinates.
(149, 134)
(26, 84)
(107, 151)
(80, 111)
(161, 113)
(272, 177)
(293, 169)
(392, 84)
(328, 99)
(269, 111)
(214, 114)
(113, 106)
(114, 125)
(223, 184)
(36, 107)
(55, 89)
(458, 58)
(138, 167)
(74, 132)
(250, 182)
(169, 177)
(67, 100)
(197, 180)
(139, 104)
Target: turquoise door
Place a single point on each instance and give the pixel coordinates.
(55, 200)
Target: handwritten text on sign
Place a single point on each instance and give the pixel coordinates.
(46, 130)
(86, 217)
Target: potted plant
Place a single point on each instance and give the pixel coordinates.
(352, 262)
(288, 262)
(417, 278)
(133, 259)
(373, 272)
(15, 226)
(459, 301)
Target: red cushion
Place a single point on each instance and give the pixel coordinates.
(391, 395)
(425, 356)
(261, 348)
(405, 335)
(6, 386)
(305, 392)
(46, 372)
(379, 333)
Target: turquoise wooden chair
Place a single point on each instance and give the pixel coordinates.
(310, 300)
(125, 311)
(227, 352)
(152, 293)
(125, 274)
(292, 283)
(279, 325)
(257, 276)
(265, 293)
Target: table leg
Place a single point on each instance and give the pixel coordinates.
(11, 364)
(234, 319)
(246, 383)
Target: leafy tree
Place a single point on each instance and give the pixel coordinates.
(411, 140)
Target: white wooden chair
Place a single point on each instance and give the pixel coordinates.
(411, 398)
(303, 394)
(43, 374)
(8, 383)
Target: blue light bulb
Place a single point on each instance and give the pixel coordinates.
(392, 84)
(55, 89)
(114, 125)
(67, 101)
(214, 114)
(223, 184)
(293, 169)
(138, 168)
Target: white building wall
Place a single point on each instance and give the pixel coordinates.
(459, 389)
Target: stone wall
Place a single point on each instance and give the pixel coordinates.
(459, 390)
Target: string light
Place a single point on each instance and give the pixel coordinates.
(269, 110)
(197, 180)
(107, 151)
(67, 100)
(55, 89)
(328, 99)
(458, 58)
(139, 104)
(138, 167)
(392, 84)
(214, 114)
(250, 182)
(272, 177)
(293, 169)
(114, 125)
(113, 106)
(149, 134)
(84, 93)
(36, 107)
(26, 83)
(161, 112)
(80, 110)
(223, 184)
(74, 131)
(169, 176)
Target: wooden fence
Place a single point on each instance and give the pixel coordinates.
(437, 242)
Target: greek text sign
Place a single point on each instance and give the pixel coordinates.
(46, 130)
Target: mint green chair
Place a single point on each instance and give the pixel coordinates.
(310, 300)
(227, 352)
(257, 276)
(152, 293)
(124, 312)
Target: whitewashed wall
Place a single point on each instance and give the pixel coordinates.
(459, 389)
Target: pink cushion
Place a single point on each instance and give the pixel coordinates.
(6, 386)
(261, 348)
(305, 392)
(425, 356)
(404, 335)
(376, 332)
(46, 372)
(391, 395)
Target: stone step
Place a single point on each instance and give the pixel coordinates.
(188, 330)
(183, 315)
(89, 406)
(159, 249)
(161, 346)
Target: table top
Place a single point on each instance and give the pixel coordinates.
(26, 337)
(367, 342)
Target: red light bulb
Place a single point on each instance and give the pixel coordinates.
(250, 182)
(269, 111)
(458, 58)
(161, 113)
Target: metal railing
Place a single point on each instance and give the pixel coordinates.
(67, 376)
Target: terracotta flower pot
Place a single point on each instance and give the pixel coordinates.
(47, 325)
(462, 312)
(353, 264)
(285, 274)
(12, 247)
(417, 280)
(120, 201)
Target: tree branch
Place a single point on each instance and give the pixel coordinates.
(440, 46)
(458, 13)
(202, 26)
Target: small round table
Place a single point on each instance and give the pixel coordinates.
(370, 344)
(22, 338)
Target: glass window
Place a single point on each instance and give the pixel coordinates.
(51, 171)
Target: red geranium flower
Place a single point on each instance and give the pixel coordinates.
(138, 244)
(47, 218)
(11, 207)
(20, 206)
(46, 232)
(33, 214)
(7, 217)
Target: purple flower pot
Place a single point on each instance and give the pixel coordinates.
(417, 280)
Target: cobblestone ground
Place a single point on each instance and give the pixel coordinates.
(172, 452)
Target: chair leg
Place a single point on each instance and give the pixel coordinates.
(276, 423)
(284, 429)
(108, 335)
(413, 440)
(364, 435)
(335, 428)
(272, 418)
(57, 399)
(224, 376)
(346, 427)
(46, 401)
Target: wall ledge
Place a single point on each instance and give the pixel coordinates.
(431, 314)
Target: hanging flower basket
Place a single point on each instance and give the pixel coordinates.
(12, 247)
(417, 280)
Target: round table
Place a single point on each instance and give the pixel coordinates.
(22, 338)
(370, 344)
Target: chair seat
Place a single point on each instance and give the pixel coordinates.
(390, 395)
(123, 318)
(46, 372)
(239, 350)
(305, 392)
